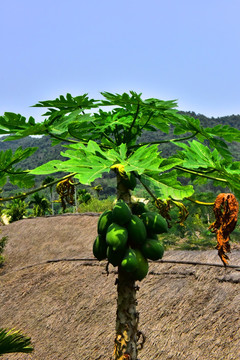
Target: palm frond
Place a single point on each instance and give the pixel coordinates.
(12, 341)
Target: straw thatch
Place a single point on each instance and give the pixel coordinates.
(68, 307)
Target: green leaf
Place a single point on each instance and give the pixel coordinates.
(129, 102)
(17, 124)
(233, 168)
(38, 129)
(23, 180)
(15, 175)
(88, 162)
(226, 132)
(3, 179)
(169, 163)
(13, 341)
(166, 185)
(68, 103)
(145, 158)
(47, 168)
(196, 155)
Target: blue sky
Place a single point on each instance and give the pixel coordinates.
(173, 49)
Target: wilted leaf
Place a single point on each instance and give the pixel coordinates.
(226, 213)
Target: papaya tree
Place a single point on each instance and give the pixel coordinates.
(105, 135)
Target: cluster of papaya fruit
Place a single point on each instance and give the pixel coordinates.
(128, 238)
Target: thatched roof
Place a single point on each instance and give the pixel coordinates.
(68, 307)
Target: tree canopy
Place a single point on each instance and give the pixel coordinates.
(96, 138)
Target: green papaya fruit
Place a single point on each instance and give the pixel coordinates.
(142, 266)
(104, 221)
(129, 262)
(115, 257)
(138, 208)
(100, 248)
(121, 213)
(130, 181)
(154, 222)
(137, 232)
(152, 236)
(116, 236)
(153, 249)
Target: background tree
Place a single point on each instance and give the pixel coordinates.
(98, 188)
(3, 242)
(46, 181)
(41, 205)
(102, 141)
(83, 196)
(16, 209)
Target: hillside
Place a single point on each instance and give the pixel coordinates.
(68, 307)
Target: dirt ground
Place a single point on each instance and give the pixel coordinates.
(187, 312)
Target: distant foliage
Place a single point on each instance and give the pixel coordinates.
(41, 206)
(96, 205)
(16, 209)
(83, 196)
(3, 241)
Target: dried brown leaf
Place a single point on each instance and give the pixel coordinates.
(226, 213)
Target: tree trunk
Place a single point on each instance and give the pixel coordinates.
(76, 200)
(51, 199)
(127, 319)
(127, 315)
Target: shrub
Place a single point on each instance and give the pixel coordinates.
(95, 205)
(3, 241)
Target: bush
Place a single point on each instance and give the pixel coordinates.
(96, 205)
(83, 196)
(3, 241)
(16, 209)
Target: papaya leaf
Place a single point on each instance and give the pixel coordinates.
(21, 154)
(233, 168)
(68, 103)
(169, 163)
(8, 159)
(3, 179)
(145, 158)
(161, 105)
(87, 168)
(82, 128)
(88, 162)
(226, 132)
(159, 123)
(183, 123)
(50, 167)
(23, 180)
(166, 185)
(17, 126)
(196, 155)
(221, 147)
(60, 121)
(38, 129)
(129, 102)
(8, 171)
